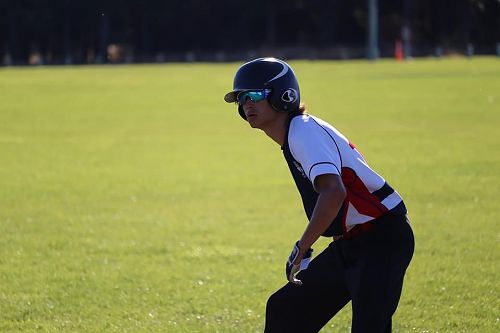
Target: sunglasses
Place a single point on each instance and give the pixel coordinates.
(254, 96)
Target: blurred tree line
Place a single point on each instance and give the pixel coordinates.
(92, 31)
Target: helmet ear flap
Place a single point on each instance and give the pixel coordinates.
(272, 100)
(277, 103)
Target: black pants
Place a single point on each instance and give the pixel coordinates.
(367, 270)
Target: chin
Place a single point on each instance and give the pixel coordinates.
(252, 123)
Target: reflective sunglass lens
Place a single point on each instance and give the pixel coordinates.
(254, 96)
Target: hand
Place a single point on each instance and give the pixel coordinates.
(297, 262)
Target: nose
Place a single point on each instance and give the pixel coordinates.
(248, 106)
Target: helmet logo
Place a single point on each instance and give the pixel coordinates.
(290, 95)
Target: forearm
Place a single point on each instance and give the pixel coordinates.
(326, 209)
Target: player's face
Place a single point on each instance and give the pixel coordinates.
(259, 114)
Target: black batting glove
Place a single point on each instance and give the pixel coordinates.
(293, 269)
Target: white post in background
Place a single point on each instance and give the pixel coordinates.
(372, 44)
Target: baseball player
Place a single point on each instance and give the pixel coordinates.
(343, 198)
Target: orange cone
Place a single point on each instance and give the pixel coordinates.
(398, 50)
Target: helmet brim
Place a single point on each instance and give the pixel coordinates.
(230, 97)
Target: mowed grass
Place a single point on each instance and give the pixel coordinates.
(133, 199)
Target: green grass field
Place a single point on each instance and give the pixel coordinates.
(133, 199)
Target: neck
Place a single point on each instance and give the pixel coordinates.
(277, 129)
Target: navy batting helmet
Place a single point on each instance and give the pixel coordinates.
(267, 73)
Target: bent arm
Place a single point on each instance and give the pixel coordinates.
(331, 196)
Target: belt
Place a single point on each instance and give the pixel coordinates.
(359, 229)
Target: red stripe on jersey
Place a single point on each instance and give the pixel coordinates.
(353, 147)
(359, 196)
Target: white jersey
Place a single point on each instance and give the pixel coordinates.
(312, 148)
